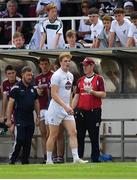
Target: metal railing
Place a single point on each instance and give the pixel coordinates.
(104, 138)
(120, 137)
(14, 20)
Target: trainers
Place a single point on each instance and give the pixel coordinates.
(60, 160)
(80, 161)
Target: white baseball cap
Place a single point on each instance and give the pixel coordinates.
(128, 3)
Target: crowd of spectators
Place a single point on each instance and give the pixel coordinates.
(84, 27)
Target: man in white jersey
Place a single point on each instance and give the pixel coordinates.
(41, 11)
(59, 109)
(96, 24)
(132, 34)
(120, 28)
(52, 29)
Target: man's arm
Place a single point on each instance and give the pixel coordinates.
(4, 104)
(97, 44)
(37, 110)
(75, 101)
(100, 94)
(42, 39)
(111, 39)
(10, 111)
(54, 95)
(130, 42)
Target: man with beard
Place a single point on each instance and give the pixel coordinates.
(22, 102)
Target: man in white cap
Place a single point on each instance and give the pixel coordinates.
(128, 7)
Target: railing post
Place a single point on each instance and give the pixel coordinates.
(122, 140)
(73, 24)
(13, 29)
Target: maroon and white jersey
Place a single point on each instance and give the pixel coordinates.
(43, 81)
(6, 86)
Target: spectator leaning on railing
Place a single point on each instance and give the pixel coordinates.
(71, 40)
(103, 37)
(96, 26)
(52, 29)
(18, 40)
(6, 26)
(120, 28)
(132, 34)
(84, 26)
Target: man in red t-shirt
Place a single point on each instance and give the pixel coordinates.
(87, 101)
(42, 82)
(6, 86)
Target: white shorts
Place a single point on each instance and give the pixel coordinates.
(44, 115)
(56, 116)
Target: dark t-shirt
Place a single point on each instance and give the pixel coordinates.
(24, 103)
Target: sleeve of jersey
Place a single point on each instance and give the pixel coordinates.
(41, 27)
(101, 84)
(100, 35)
(112, 29)
(3, 89)
(60, 28)
(55, 79)
(14, 92)
(131, 31)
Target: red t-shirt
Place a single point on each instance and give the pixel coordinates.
(88, 101)
(44, 79)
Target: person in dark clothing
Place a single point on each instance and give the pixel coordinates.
(22, 102)
(89, 92)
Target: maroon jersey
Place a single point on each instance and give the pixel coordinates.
(88, 101)
(6, 86)
(43, 81)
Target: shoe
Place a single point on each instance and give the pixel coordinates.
(80, 161)
(60, 160)
(49, 162)
(54, 159)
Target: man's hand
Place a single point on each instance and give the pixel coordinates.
(40, 91)
(8, 123)
(88, 89)
(69, 110)
(38, 121)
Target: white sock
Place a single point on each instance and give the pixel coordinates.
(49, 156)
(75, 153)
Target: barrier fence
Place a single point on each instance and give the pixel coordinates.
(121, 138)
(14, 20)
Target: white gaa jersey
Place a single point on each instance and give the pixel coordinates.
(133, 33)
(51, 29)
(121, 31)
(64, 81)
(96, 29)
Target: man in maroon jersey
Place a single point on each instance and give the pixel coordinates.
(42, 82)
(87, 101)
(6, 86)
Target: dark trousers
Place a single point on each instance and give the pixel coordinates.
(88, 120)
(23, 138)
